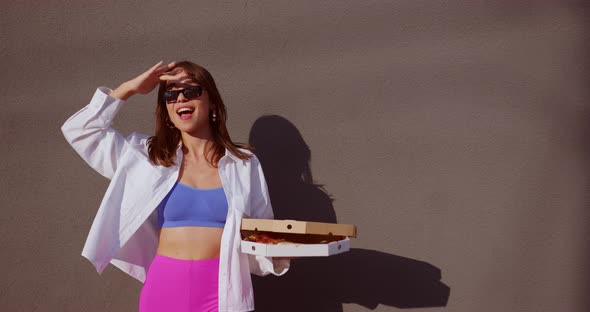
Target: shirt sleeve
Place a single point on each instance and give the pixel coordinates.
(90, 133)
(261, 208)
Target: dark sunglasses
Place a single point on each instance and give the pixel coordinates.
(190, 93)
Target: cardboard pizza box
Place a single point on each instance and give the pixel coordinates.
(302, 238)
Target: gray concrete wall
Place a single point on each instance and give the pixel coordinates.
(454, 134)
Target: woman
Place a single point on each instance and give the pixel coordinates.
(172, 212)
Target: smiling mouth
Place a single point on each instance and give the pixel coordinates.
(185, 112)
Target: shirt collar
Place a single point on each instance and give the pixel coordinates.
(231, 155)
(227, 152)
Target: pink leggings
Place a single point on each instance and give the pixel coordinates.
(177, 285)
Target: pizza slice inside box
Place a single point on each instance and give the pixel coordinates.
(290, 238)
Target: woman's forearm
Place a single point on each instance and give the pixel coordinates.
(122, 92)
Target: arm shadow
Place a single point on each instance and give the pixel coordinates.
(361, 276)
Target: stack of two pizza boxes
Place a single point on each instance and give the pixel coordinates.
(302, 238)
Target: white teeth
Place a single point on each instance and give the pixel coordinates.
(184, 109)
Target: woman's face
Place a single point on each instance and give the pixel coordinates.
(196, 117)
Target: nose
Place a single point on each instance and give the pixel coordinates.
(181, 97)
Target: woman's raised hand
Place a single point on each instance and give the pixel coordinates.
(146, 81)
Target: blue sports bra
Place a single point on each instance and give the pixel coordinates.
(188, 206)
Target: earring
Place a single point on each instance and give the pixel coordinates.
(214, 117)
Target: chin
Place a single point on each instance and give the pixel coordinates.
(188, 128)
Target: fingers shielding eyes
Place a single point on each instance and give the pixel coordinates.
(156, 66)
(175, 75)
(161, 69)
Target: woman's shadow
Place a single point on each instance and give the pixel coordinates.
(361, 276)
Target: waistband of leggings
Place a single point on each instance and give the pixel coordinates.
(200, 261)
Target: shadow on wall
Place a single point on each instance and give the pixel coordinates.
(361, 276)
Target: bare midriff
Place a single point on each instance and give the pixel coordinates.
(190, 242)
(193, 242)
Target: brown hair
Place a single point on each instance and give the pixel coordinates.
(162, 146)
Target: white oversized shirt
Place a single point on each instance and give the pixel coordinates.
(125, 229)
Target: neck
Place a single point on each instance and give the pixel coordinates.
(195, 145)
